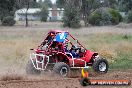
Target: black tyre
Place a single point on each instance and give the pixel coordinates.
(61, 68)
(30, 69)
(85, 82)
(100, 65)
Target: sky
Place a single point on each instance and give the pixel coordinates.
(53, 1)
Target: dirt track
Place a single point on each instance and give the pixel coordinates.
(49, 81)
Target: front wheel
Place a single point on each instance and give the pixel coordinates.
(100, 65)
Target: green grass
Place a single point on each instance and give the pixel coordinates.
(116, 48)
(122, 62)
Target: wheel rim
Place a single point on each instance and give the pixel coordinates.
(63, 71)
(102, 66)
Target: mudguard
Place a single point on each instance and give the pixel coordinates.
(89, 55)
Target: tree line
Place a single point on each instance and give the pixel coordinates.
(94, 12)
(8, 8)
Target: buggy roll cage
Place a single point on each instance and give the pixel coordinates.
(56, 32)
(45, 58)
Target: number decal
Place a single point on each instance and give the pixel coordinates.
(62, 35)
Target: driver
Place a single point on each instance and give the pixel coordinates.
(73, 51)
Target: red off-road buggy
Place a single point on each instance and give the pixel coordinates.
(60, 52)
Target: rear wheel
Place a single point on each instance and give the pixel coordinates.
(100, 65)
(61, 69)
(30, 69)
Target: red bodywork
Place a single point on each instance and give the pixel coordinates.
(57, 53)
